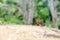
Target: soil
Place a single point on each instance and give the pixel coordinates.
(24, 32)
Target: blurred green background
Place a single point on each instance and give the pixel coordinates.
(9, 13)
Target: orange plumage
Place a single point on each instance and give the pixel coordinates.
(38, 22)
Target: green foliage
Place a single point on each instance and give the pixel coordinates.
(59, 23)
(49, 24)
(41, 10)
(13, 17)
(2, 1)
(9, 16)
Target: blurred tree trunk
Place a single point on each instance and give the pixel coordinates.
(30, 12)
(27, 8)
(24, 11)
(52, 6)
(27, 11)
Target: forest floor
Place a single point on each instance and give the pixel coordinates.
(25, 32)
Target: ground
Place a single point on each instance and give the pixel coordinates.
(24, 32)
